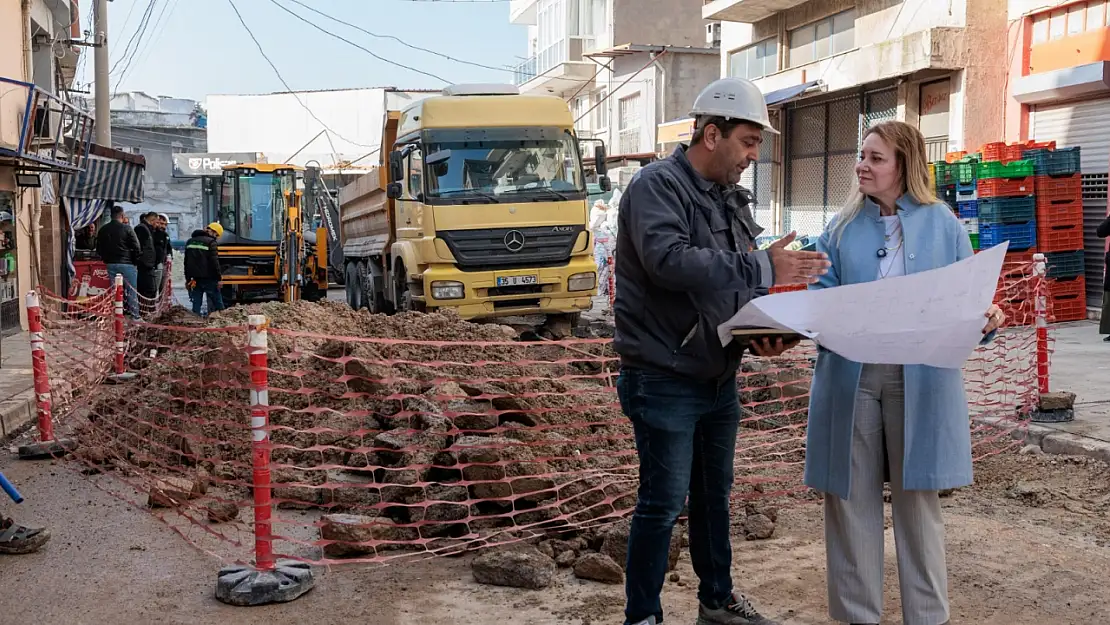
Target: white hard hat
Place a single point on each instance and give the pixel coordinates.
(733, 98)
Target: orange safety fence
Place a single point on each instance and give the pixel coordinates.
(417, 435)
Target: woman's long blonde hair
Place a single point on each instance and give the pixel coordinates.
(909, 152)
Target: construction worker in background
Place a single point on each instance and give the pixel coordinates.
(202, 268)
(686, 262)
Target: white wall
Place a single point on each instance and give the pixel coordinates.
(278, 125)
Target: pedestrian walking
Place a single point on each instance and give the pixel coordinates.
(875, 423)
(202, 268)
(118, 246)
(685, 264)
(148, 257)
(1103, 231)
(605, 244)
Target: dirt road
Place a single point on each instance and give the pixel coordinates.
(1029, 544)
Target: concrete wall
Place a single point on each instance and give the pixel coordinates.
(685, 76)
(669, 22)
(985, 77)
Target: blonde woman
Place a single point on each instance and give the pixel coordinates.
(870, 424)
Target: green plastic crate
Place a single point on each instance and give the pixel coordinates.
(966, 171)
(1016, 169)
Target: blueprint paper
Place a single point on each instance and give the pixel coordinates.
(933, 318)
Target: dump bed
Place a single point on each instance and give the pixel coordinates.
(363, 218)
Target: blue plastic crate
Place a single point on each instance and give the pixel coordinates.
(947, 195)
(1007, 210)
(1064, 265)
(966, 188)
(1061, 162)
(1020, 236)
(969, 209)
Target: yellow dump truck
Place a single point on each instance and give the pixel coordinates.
(478, 205)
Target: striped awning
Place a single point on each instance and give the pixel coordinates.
(105, 179)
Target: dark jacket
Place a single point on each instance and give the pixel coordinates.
(116, 243)
(202, 261)
(147, 260)
(684, 266)
(162, 246)
(1103, 231)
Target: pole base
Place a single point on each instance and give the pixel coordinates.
(46, 449)
(120, 378)
(246, 586)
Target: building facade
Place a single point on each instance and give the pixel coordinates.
(1059, 90)
(38, 130)
(621, 74)
(832, 68)
(159, 128)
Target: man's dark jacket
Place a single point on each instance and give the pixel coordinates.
(116, 243)
(162, 246)
(685, 264)
(202, 260)
(148, 256)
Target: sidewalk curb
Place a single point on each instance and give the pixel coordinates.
(1051, 440)
(16, 413)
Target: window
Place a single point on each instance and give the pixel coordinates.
(1057, 21)
(1076, 15)
(502, 164)
(1069, 21)
(601, 110)
(1096, 15)
(629, 116)
(755, 61)
(414, 180)
(1040, 28)
(823, 38)
(552, 22)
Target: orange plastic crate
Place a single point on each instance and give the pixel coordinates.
(1005, 187)
(1053, 190)
(1060, 238)
(1059, 214)
(1017, 264)
(1070, 308)
(1001, 152)
(1037, 145)
(1067, 287)
(952, 157)
(1018, 312)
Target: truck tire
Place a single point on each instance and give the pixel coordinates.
(403, 289)
(353, 287)
(371, 297)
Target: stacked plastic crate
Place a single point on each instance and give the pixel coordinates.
(1059, 209)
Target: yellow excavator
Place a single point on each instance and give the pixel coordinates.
(265, 252)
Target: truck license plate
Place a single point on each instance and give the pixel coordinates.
(516, 280)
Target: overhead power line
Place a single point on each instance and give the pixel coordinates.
(344, 39)
(288, 88)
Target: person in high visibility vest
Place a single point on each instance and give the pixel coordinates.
(202, 268)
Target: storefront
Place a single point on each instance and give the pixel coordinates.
(9, 291)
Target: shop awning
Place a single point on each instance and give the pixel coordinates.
(789, 93)
(105, 179)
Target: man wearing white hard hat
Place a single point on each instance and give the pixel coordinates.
(686, 262)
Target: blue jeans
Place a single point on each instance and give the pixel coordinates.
(686, 439)
(211, 289)
(130, 275)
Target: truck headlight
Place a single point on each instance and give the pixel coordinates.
(445, 289)
(582, 281)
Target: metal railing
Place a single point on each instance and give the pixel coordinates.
(46, 124)
(524, 72)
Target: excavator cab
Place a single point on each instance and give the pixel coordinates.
(265, 252)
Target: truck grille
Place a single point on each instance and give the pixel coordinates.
(507, 248)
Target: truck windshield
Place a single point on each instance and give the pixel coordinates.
(540, 164)
(253, 206)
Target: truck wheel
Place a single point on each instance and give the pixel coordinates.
(353, 287)
(373, 299)
(405, 302)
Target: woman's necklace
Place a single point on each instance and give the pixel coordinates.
(888, 250)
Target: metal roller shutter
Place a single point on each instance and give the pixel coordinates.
(1085, 124)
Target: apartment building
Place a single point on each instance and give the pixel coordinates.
(832, 68)
(1059, 90)
(38, 128)
(622, 72)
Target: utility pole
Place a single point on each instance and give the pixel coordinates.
(103, 121)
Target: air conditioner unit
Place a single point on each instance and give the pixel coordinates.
(713, 34)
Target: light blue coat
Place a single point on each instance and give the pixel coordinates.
(937, 431)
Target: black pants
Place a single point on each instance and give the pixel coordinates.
(146, 285)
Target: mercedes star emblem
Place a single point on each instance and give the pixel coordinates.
(514, 240)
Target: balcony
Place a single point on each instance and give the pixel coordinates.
(746, 11)
(933, 49)
(522, 12)
(558, 69)
(38, 130)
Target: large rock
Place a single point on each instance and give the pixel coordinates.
(1060, 400)
(172, 492)
(351, 529)
(599, 568)
(523, 567)
(615, 544)
(758, 527)
(460, 409)
(222, 511)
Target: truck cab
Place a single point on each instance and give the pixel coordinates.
(488, 208)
